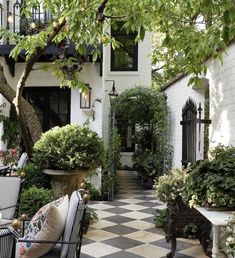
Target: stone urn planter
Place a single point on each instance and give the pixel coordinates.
(65, 182)
(68, 154)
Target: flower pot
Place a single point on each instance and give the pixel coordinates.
(66, 181)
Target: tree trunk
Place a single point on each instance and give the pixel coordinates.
(32, 121)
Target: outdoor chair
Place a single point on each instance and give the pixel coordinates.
(7, 243)
(10, 187)
(69, 243)
(5, 170)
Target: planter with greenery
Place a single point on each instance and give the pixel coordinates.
(178, 219)
(68, 154)
(210, 183)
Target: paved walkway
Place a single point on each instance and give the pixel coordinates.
(125, 227)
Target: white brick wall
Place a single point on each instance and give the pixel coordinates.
(221, 79)
(222, 92)
(177, 95)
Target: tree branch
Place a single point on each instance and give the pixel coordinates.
(24, 76)
(100, 13)
(32, 120)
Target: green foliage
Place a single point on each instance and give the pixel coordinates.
(95, 194)
(110, 165)
(33, 198)
(187, 33)
(11, 130)
(147, 110)
(211, 182)
(91, 215)
(229, 235)
(69, 147)
(222, 152)
(86, 23)
(190, 230)
(170, 185)
(160, 219)
(33, 176)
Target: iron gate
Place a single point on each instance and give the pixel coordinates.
(189, 132)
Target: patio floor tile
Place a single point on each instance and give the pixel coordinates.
(126, 229)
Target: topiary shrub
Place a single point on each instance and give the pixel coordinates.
(69, 147)
(33, 198)
(33, 176)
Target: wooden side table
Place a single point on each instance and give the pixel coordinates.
(218, 219)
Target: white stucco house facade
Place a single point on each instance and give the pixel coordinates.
(57, 106)
(216, 96)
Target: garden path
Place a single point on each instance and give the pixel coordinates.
(125, 228)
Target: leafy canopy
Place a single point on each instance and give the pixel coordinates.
(187, 32)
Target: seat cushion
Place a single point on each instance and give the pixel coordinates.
(75, 199)
(6, 222)
(9, 191)
(47, 224)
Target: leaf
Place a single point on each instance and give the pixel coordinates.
(226, 17)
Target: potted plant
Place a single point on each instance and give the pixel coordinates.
(210, 183)
(68, 154)
(90, 217)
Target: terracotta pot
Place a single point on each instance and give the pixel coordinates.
(66, 181)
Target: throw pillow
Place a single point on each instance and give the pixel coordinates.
(47, 224)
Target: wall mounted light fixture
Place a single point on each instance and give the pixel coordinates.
(85, 99)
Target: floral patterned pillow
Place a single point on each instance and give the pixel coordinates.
(43, 224)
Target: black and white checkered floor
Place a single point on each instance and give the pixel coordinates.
(125, 228)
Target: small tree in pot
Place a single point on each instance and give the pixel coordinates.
(68, 154)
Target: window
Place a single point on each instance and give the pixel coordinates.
(126, 133)
(52, 105)
(124, 58)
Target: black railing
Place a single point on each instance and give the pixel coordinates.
(11, 18)
(191, 131)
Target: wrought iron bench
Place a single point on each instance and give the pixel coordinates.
(178, 216)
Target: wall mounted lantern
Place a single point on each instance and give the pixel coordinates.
(113, 93)
(85, 99)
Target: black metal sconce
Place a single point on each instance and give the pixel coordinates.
(113, 93)
(85, 99)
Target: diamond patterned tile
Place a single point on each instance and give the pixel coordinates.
(144, 236)
(139, 224)
(122, 254)
(122, 242)
(148, 251)
(118, 210)
(103, 214)
(100, 235)
(137, 215)
(118, 219)
(195, 251)
(101, 206)
(120, 229)
(134, 207)
(102, 223)
(132, 200)
(125, 228)
(99, 249)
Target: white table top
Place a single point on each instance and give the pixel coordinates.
(217, 218)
